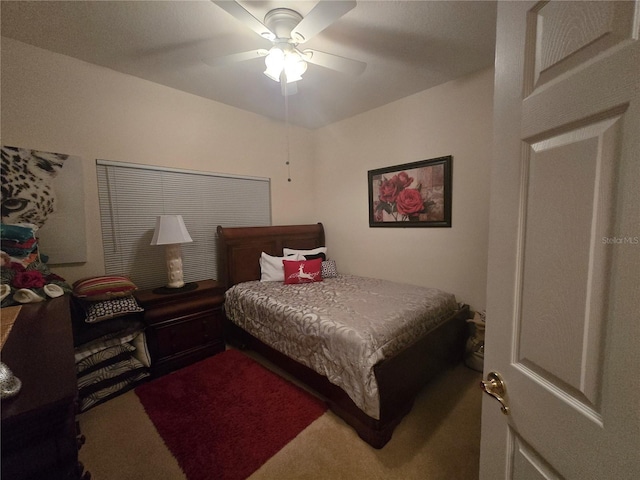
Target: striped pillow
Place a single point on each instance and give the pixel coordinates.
(103, 288)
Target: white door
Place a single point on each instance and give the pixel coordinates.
(563, 296)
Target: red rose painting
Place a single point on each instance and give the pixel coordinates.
(415, 194)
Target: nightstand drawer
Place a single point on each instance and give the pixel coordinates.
(187, 332)
(183, 327)
(176, 312)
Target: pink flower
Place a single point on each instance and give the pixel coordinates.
(409, 202)
(402, 180)
(388, 191)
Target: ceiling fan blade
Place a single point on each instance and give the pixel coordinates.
(335, 62)
(322, 15)
(235, 57)
(239, 13)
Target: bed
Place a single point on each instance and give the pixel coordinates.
(372, 391)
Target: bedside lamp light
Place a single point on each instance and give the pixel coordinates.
(171, 232)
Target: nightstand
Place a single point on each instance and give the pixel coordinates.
(183, 327)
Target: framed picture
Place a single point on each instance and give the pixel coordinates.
(414, 194)
(51, 197)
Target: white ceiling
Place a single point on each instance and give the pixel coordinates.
(409, 46)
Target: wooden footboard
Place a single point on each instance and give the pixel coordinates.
(399, 378)
(405, 374)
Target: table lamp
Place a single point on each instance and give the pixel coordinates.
(171, 232)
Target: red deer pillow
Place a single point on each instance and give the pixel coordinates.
(302, 271)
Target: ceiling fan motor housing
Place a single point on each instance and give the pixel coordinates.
(281, 21)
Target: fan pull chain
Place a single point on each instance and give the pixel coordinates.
(286, 124)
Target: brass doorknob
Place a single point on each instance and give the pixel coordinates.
(494, 386)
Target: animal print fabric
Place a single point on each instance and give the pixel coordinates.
(28, 195)
(340, 327)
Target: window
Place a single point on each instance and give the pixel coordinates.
(132, 196)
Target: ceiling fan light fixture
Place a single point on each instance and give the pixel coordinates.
(286, 29)
(274, 61)
(289, 62)
(294, 66)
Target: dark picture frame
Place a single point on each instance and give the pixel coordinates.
(416, 194)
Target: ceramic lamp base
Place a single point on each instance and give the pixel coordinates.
(174, 265)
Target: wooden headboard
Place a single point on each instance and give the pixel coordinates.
(239, 248)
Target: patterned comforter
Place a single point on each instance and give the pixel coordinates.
(340, 327)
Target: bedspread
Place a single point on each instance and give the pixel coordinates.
(340, 327)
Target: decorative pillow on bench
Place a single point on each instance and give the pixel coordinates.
(103, 287)
(108, 309)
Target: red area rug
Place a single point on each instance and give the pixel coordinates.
(225, 416)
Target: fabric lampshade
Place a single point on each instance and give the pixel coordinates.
(170, 229)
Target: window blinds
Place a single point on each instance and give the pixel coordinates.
(131, 196)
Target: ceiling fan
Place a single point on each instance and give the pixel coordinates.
(287, 29)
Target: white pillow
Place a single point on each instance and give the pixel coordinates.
(272, 268)
(315, 251)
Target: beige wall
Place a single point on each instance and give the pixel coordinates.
(451, 119)
(55, 103)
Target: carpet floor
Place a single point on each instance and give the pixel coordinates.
(438, 440)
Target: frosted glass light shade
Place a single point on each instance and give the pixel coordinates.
(294, 67)
(286, 60)
(274, 62)
(170, 229)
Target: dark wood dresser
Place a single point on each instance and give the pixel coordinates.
(183, 327)
(39, 431)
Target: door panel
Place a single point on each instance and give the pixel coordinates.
(528, 465)
(564, 261)
(563, 293)
(568, 34)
